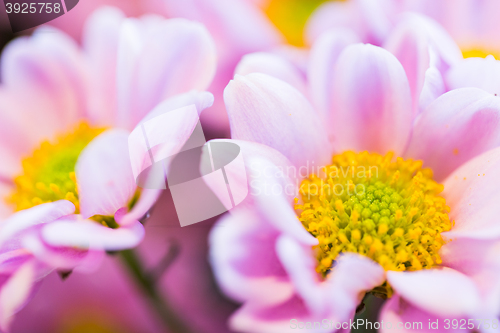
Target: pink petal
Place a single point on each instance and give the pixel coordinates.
(396, 312)
(409, 43)
(443, 130)
(87, 234)
(5, 209)
(252, 152)
(371, 103)
(444, 292)
(17, 136)
(323, 57)
(239, 27)
(242, 253)
(178, 56)
(266, 110)
(433, 87)
(130, 47)
(158, 59)
(100, 41)
(200, 99)
(475, 72)
(104, 175)
(351, 277)
(27, 218)
(284, 317)
(12, 258)
(63, 258)
(15, 292)
(297, 56)
(472, 193)
(299, 262)
(147, 199)
(370, 21)
(48, 66)
(443, 45)
(279, 212)
(273, 65)
(175, 131)
(479, 259)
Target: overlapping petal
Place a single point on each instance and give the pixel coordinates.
(371, 94)
(444, 292)
(472, 192)
(456, 127)
(273, 65)
(321, 65)
(104, 175)
(266, 110)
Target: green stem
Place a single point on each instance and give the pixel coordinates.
(148, 286)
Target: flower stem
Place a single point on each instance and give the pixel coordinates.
(147, 284)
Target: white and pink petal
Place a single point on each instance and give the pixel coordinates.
(104, 174)
(371, 103)
(442, 133)
(266, 110)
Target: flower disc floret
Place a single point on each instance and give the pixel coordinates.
(388, 209)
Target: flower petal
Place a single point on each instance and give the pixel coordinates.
(252, 152)
(149, 71)
(15, 292)
(273, 65)
(433, 87)
(443, 131)
(371, 104)
(27, 218)
(370, 21)
(472, 192)
(350, 278)
(446, 50)
(272, 202)
(284, 317)
(86, 234)
(409, 43)
(104, 175)
(238, 26)
(175, 132)
(62, 258)
(244, 259)
(444, 292)
(396, 311)
(100, 41)
(475, 72)
(5, 209)
(50, 69)
(479, 259)
(178, 56)
(266, 110)
(299, 262)
(323, 57)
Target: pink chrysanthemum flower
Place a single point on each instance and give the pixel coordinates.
(419, 225)
(66, 182)
(432, 53)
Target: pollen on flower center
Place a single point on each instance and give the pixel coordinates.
(49, 174)
(388, 210)
(480, 53)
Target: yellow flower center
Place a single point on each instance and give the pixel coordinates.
(49, 174)
(480, 53)
(290, 17)
(387, 209)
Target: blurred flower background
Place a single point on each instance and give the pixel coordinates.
(286, 80)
